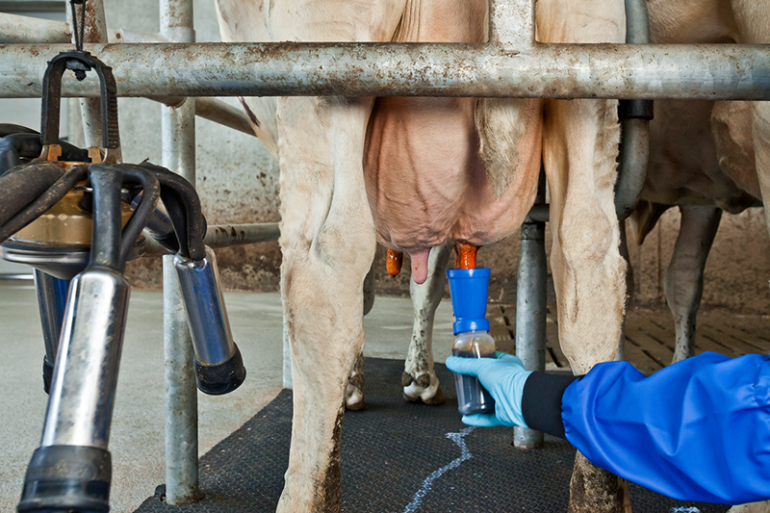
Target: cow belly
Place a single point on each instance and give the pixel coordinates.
(425, 181)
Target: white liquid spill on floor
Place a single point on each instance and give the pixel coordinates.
(691, 509)
(465, 454)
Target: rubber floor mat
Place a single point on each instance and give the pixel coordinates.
(399, 457)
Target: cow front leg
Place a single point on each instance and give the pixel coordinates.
(328, 244)
(579, 150)
(419, 379)
(683, 282)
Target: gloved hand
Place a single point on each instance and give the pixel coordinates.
(503, 377)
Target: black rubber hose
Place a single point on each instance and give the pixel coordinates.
(161, 229)
(22, 186)
(15, 147)
(142, 214)
(107, 225)
(44, 201)
(8, 129)
(184, 210)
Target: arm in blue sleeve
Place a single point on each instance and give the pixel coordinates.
(697, 430)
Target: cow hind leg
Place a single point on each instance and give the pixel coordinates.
(354, 392)
(683, 282)
(579, 151)
(419, 379)
(328, 244)
(621, 353)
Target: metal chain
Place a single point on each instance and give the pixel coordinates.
(78, 36)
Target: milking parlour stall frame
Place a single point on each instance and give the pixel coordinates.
(169, 67)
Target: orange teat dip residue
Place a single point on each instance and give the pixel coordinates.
(465, 255)
(394, 261)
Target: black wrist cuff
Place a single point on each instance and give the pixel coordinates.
(541, 402)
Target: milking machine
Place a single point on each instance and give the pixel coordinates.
(77, 216)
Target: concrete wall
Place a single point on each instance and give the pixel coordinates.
(238, 182)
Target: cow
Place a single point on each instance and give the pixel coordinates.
(703, 159)
(693, 147)
(696, 146)
(414, 173)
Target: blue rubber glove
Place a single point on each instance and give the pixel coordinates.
(503, 377)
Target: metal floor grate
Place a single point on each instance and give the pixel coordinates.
(396, 457)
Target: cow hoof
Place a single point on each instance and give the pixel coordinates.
(425, 389)
(354, 393)
(354, 398)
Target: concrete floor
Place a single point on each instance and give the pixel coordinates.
(137, 440)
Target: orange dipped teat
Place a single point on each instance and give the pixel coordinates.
(465, 255)
(394, 261)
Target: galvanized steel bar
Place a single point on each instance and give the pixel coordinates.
(735, 72)
(635, 147)
(178, 154)
(531, 308)
(224, 235)
(540, 212)
(214, 110)
(25, 29)
(512, 23)
(637, 22)
(632, 172)
(16, 29)
(181, 394)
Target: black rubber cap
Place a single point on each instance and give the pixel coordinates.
(221, 378)
(67, 478)
(635, 109)
(47, 375)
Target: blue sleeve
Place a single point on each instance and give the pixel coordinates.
(697, 430)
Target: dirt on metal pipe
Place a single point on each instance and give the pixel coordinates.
(734, 72)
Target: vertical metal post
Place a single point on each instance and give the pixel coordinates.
(512, 23)
(178, 141)
(51, 299)
(531, 308)
(181, 394)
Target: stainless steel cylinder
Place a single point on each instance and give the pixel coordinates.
(51, 301)
(219, 366)
(212, 339)
(86, 374)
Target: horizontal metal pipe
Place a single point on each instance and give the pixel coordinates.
(734, 72)
(224, 114)
(25, 29)
(224, 235)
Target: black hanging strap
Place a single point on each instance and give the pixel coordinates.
(78, 35)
